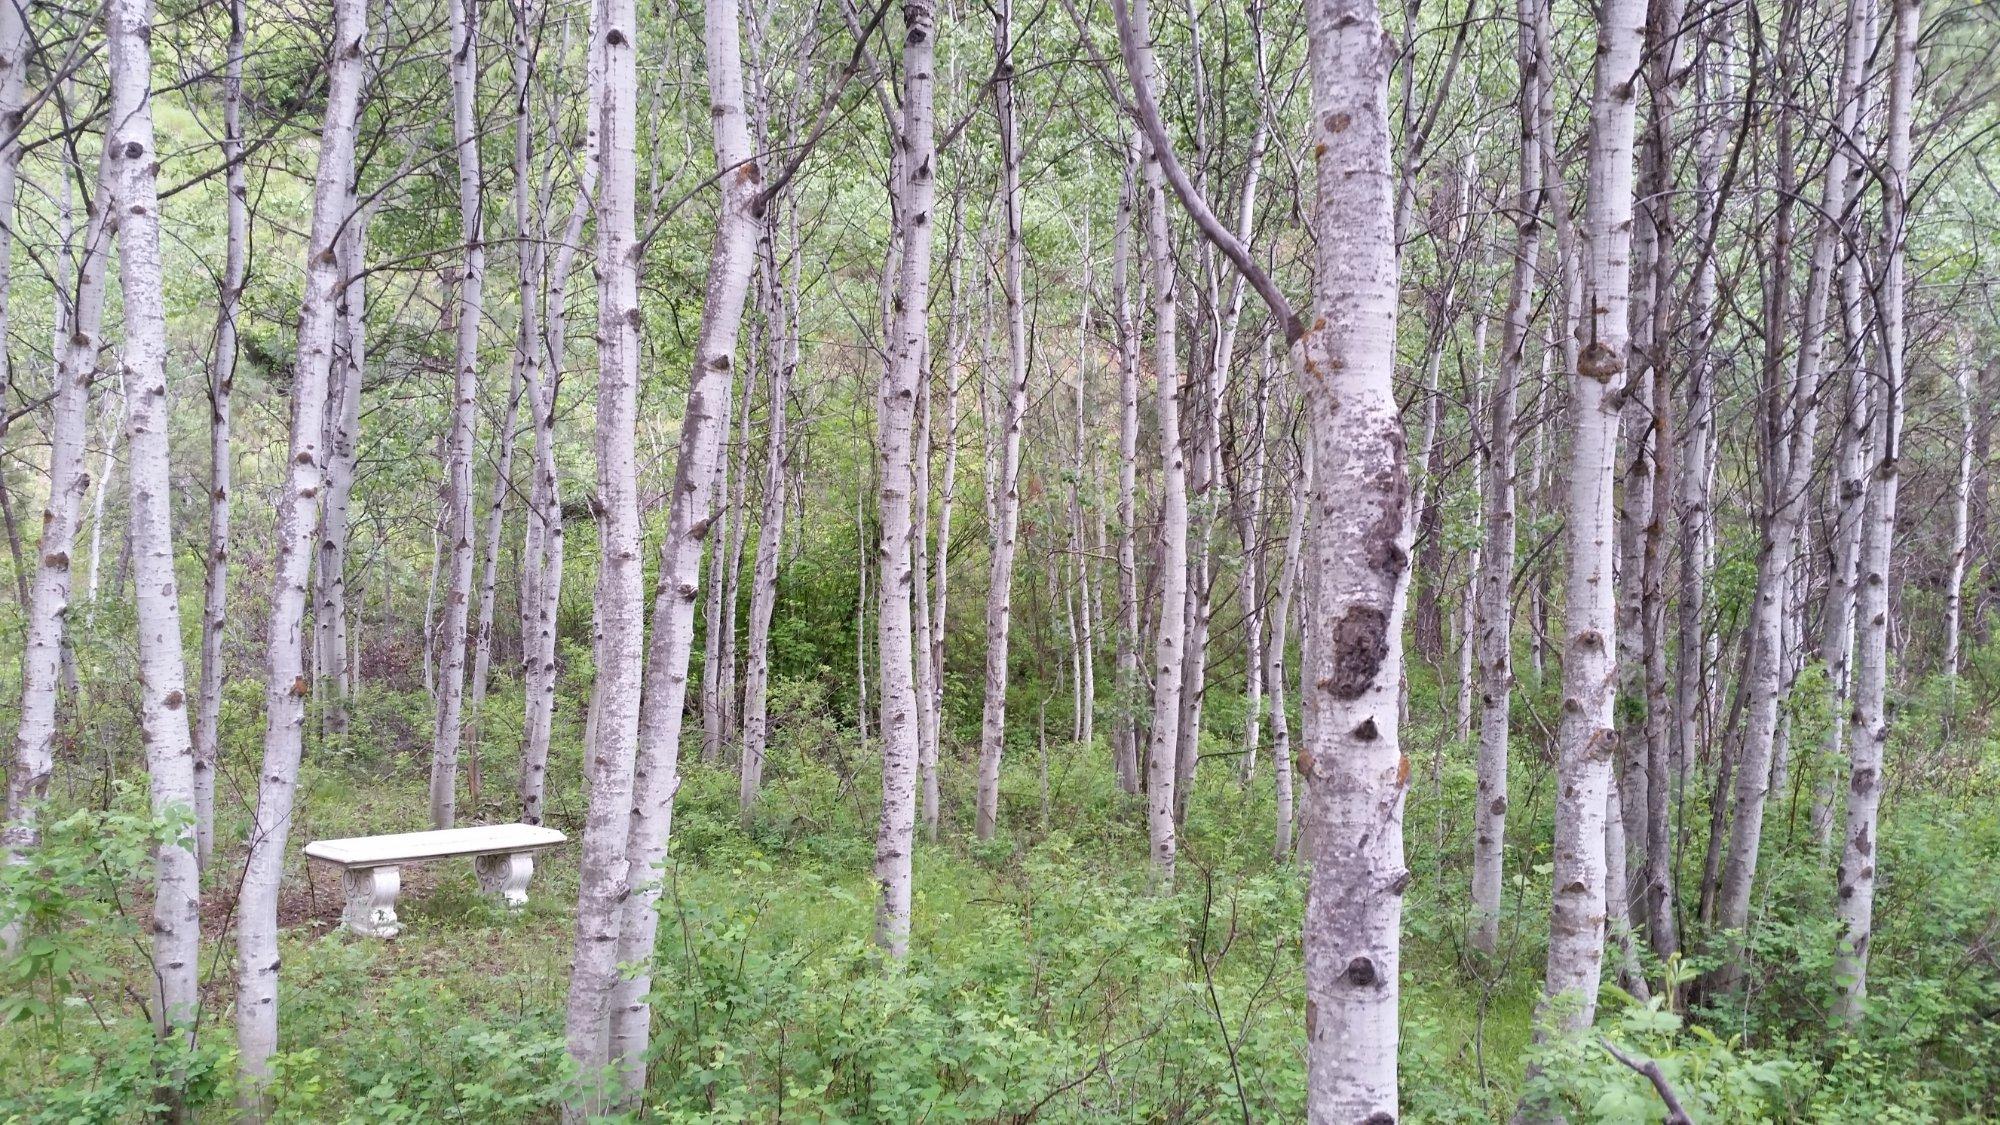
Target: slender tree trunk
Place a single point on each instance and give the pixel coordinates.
(1961, 524)
(1000, 578)
(1793, 462)
(1494, 622)
(286, 686)
(916, 188)
(1274, 655)
(714, 670)
(1855, 902)
(780, 345)
(131, 191)
(603, 884)
(1125, 739)
(343, 419)
(464, 417)
(221, 386)
(1586, 736)
(543, 379)
(691, 512)
(489, 567)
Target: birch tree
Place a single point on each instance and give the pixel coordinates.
(221, 389)
(1012, 410)
(464, 416)
(916, 191)
(691, 514)
(131, 192)
(1586, 736)
(285, 687)
(1854, 906)
(620, 596)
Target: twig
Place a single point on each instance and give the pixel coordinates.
(1650, 1069)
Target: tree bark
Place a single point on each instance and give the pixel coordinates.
(221, 387)
(1494, 622)
(343, 425)
(1586, 735)
(464, 418)
(1007, 504)
(1855, 903)
(603, 884)
(691, 512)
(286, 686)
(1125, 739)
(131, 191)
(916, 189)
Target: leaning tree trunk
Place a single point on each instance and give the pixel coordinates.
(895, 416)
(543, 377)
(770, 539)
(1793, 463)
(1494, 621)
(621, 601)
(1855, 903)
(343, 431)
(286, 686)
(691, 512)
(131, 189)
(43, 651)
(1162, 750)
(1585, 738)
(1007, 503)
(221, 386)
(464, 418)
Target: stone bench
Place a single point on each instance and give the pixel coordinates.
(371, 866)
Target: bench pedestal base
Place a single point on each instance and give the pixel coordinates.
(506, 876)
(371, 901)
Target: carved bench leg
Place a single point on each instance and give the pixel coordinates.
(371, 901)
(506, 876)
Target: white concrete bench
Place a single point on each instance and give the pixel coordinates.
(371, 866)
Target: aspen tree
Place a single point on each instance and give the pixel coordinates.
(1586, 736)
(1012, 411)
(916, 190)
(690, 516)
(464, 416)
(286, 685)
(613, 734)
(1854, 906)
(221, 388)
(131, 193)
(1494, 623)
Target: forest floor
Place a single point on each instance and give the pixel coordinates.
(1047, 981)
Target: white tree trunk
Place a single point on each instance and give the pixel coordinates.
(1961, 512)
(1586, 737)
(43, 653)
(1356, 772)
(221, 385)
(691, 512)
(1494, 622)
(1007, 498)
(545, 560)
(621, 603)
(343, 424)
(286, 685)
(1855, 903)
(1125, 739)
(916, 188)
(1171, 587)
(130, 189)
(464, 419)
(1274, 655)
(781, 348)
